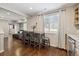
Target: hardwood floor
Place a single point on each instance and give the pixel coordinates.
(19, 49)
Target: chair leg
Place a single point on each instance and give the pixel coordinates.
(34, 46)
(49, 44)
(30, 43)
(39, 46)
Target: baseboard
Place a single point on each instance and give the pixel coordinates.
(59, 48)
(1, 51)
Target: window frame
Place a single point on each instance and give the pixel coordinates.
(49, 24)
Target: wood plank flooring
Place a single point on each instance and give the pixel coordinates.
(19, 49)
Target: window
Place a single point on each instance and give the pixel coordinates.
(23, 26)
(20, 26)
(51, 23)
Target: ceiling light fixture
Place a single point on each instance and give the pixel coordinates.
(30, 7)
(8, 13)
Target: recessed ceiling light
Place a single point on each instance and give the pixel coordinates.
(8, 13)
(30, 7)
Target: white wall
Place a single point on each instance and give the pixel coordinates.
(70, 20)
(4, 29)
(32, 22)
(1, 42)
(4, 26)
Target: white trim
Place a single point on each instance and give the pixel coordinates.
(1, 51)
(12, 10)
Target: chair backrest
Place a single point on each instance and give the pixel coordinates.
(31, 35)
(37, 36)
(25, 35)
(43, 35)
(20, 34)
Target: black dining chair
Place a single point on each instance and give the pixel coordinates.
(37, 40)
(26, 38)
(31, 38)
(45, 41)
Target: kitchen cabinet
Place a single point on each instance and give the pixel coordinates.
(73, 45)
(77, 15)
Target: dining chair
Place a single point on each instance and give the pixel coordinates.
(26, 38)
(37, 40)
(45, 41)
(31, 38)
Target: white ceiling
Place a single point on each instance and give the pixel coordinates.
(23, 9)
(9, 15)
(37, 7)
